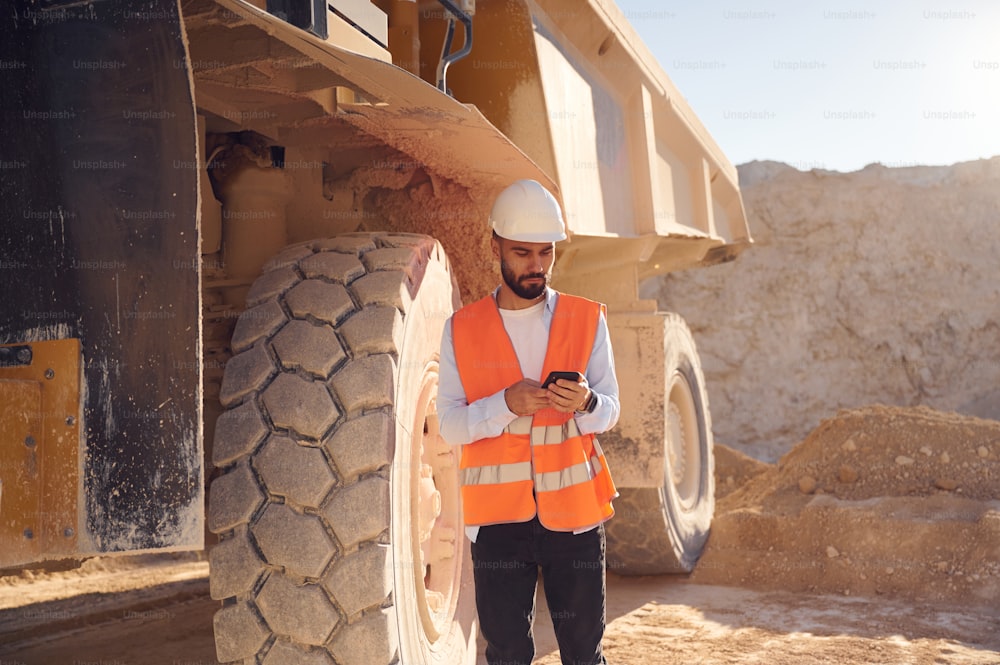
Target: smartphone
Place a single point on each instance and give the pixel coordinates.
(555, 376)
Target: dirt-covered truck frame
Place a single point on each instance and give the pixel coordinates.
(232, 234)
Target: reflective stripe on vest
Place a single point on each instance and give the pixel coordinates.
(497, 474)
(574, 475)
(538, 465)
(540, 436)
(543, 434)
(544, 482)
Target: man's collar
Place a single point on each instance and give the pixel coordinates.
(550, 298)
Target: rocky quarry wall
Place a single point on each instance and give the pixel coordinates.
(877, 286)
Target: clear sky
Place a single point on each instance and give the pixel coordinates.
(834, 85)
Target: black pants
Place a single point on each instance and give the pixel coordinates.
(506, 559)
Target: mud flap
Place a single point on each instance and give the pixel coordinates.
(99, 243)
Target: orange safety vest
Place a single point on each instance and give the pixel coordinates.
(540, 463)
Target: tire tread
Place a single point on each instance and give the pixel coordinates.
(362, 300)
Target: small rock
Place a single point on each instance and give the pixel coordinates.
(983, 451)
(832, 552)
(945, 458)
(903, 460)
(946, 484)
(847, 474)
(926, 451)
(730, 480)
(807, 484)
(942, 566)
(890, 570)
(849, 445)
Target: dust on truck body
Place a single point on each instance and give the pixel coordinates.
(232, 234)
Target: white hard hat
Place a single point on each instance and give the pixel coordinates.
(527, 212)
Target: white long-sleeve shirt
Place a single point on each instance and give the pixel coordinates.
(461, 423)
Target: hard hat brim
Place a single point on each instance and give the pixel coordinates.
(531, 237)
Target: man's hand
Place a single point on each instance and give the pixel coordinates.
(568, 396)
(526, 397)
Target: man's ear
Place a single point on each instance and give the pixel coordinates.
(495, 246)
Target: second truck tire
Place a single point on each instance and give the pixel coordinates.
(663, 530)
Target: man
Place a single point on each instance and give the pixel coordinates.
(535, 485)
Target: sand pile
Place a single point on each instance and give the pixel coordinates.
(902, 501)
(880, 451)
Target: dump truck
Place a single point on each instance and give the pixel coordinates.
(233, 232)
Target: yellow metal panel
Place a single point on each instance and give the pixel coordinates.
(39, 454)
(20, 429)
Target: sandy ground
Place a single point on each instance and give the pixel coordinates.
(875, 540)
(659, 620)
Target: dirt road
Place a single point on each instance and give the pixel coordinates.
(650, 621)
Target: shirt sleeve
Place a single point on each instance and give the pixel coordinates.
(604, 384)
(459, 421)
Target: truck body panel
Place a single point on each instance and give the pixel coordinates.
(100, 245)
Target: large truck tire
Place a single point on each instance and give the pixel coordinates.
(337, 504)
(663, 530)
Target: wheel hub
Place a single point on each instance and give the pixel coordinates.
(683, 446)
(678, 458)
(435, 515)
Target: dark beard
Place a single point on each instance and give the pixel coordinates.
(526, 291)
